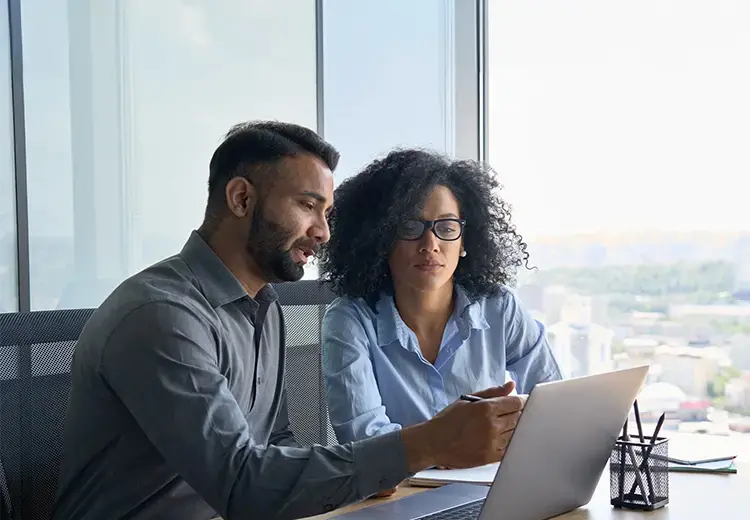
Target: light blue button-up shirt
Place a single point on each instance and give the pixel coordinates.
(377, 379)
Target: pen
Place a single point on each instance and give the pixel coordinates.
(637, 469)
(622, 460)
(654, 438)
(644, 456)
(659, 424)
(470, 398)
(638, 420)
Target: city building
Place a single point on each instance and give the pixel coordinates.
(554, 298)
(690, 368)
(532, 296)
(581, 349)
(737, 393)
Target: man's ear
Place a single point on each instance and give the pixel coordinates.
(241, 196)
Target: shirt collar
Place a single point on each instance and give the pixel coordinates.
(472, 313)
(391, 327)
(216, 281)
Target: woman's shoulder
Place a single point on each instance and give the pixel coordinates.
(346, 303)
(345, 308)
(502, 300)
(347, 319)
(498, 295)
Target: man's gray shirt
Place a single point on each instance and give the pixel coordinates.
(178, 408)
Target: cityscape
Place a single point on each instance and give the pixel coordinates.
(680, 304)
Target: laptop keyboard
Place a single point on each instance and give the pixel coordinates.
(463, 512)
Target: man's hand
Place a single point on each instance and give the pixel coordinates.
(386, 493)
(465, 434)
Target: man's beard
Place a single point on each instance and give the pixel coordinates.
(267, 242)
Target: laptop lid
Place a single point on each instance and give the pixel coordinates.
(561, 445)
(555, 458)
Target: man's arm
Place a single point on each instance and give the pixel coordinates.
(161, 363)
(528, 353)
(282, 434)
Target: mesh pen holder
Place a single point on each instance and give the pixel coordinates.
(639, 473)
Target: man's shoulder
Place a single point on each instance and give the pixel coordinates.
(165, 289)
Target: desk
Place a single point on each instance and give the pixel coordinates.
(691, 496)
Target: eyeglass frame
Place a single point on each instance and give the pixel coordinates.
(430, 225)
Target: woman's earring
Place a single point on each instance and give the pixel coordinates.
(462, 253)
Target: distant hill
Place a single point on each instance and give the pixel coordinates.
(703, 280)
(640, 248)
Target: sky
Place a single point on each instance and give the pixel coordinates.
(621, 116)
(603, 116)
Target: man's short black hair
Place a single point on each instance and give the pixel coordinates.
(249, 146)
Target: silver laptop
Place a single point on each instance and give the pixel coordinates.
(553, 463)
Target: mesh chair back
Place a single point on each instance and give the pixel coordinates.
(303, 304)
(36, 349)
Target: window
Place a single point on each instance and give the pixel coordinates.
(391, 77)
(8, 272)
(125, 102)
(620, 133)
(402, 89)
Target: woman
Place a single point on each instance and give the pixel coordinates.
(421, 250)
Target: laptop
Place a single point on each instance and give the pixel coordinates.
(553, 463)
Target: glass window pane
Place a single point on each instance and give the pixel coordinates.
(8, 273)
(388, 77)
(125, 102)
(620, 132)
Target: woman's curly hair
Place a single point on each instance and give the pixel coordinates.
(368, 207)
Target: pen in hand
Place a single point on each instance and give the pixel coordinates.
(470, 398)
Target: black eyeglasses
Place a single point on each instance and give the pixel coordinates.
(447, 229)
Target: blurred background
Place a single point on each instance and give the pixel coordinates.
(618, 130)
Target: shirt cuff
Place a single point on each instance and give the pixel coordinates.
(379, 462)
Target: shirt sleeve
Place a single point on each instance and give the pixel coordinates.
(161, 362)
(282, 434)
(529, 357)
(355, 405)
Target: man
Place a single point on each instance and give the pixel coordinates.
(178, 408)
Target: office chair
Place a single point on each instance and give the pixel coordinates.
(36, 349)
(303, 304)
(5, 510)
